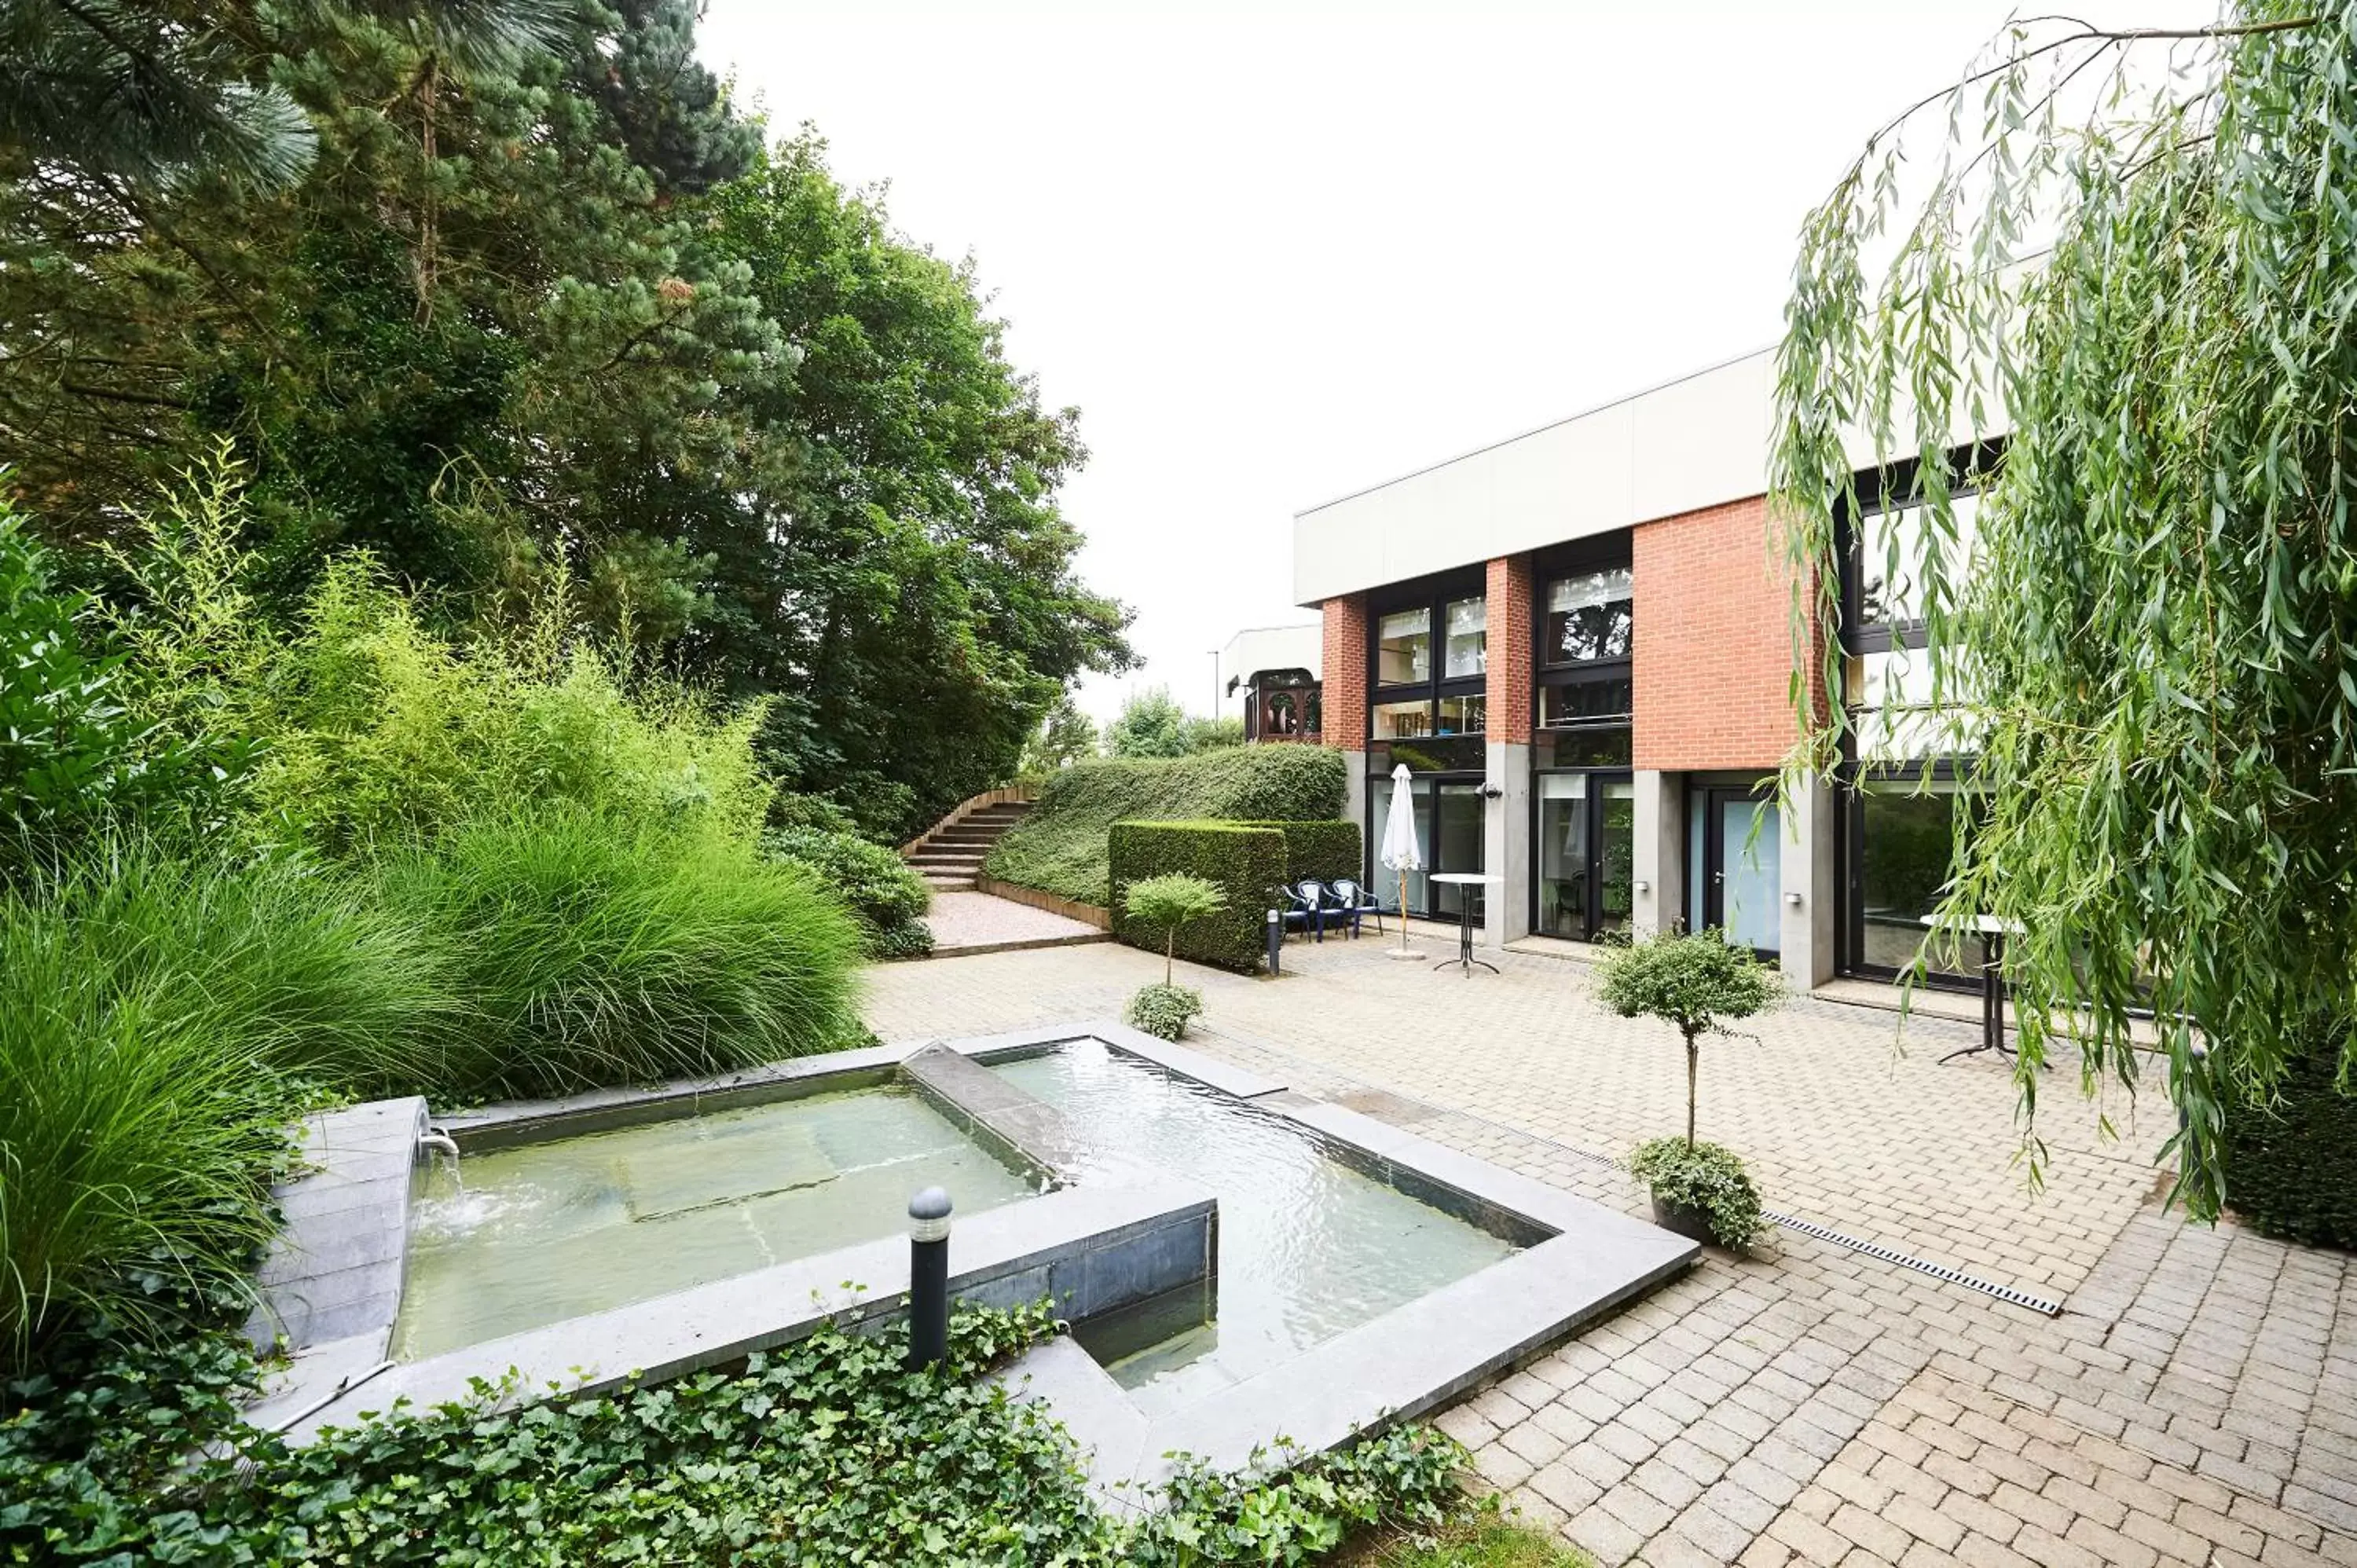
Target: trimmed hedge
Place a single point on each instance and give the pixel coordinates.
(1059, 846)
(2291, 1169)
(1244, 863)
(1324, 850)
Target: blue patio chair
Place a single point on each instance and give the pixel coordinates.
(1312, 895)
(1356, 902)
(1298, 914)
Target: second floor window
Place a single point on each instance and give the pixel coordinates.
(1588, 617)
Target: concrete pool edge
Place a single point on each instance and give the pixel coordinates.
(1090, 1251)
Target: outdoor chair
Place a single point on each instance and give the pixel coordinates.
(1300, 914)
(1312, 895)
(1355, 901)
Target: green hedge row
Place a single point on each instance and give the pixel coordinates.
(1244, 863)
(1324, 850)
(1059, 846)
(2291, 1170)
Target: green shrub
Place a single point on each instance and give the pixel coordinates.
(2291, 1166)
(1060, 845)
(1169, 903)
(1245, 865)
(155, 1019)
(885, 893)
(1694, 983)
(826, 1451)
(588, 954)
(791, 810)
(1324, 850)
(1704, 1176)
(1163, 1011)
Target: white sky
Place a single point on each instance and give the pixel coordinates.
(1277, 253)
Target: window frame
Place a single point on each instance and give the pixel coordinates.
(1609, 553)
(1433, 596)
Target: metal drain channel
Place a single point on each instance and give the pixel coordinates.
(1789, 1221)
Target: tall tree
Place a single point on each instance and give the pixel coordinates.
(2149, 652)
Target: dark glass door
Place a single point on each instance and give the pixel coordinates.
(1585, 854)
(1448, 837)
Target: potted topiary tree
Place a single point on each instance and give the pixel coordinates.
(1168, 901)
(1694, 983)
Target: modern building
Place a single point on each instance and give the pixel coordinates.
(1273, 673)
(1581, 644)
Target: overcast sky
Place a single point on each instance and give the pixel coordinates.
(1279, 253)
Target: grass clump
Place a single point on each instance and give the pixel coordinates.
(160, 1022)
(1060, 845)
(1486, 1537)
(583, 954)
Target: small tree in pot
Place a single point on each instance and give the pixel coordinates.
(1169, 902)
(1696, 983)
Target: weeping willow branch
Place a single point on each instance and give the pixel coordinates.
(2145, 653)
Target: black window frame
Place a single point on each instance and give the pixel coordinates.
(1433, 596)
(1604, 552)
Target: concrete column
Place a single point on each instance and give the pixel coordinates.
(1659, 852)
(1506, 845)
(1354, 810)
(1811, 823)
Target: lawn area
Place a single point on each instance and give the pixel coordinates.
(1486, 1539)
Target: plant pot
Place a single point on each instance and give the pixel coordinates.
(1685, 1219)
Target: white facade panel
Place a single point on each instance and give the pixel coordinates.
(1693, 443)
(1261, 648)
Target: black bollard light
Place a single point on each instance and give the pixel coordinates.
(929, 1277)
(1276, 939)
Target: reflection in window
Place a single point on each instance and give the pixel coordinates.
(1892, 551)
(1404, 648)
(1467, 647)
(1587, 617)
(1462, 715)
(1890, 695)
(1402, 721)
(1601, 746)
(1586, 703)
(1907, 846)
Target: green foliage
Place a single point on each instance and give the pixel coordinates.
(1065, 735)
(1704, 1176)
(157, 1020)
(1211, 734)
(1163, 1011)
(1168, 903)
(828, 1450)
(1060, 845)
(1290, 1508)
(1150, 723)
(1323, 850)
(1486, 1537)
(1242, 866)
(1694, 983)
(586, 953)
(73, 755)
(2150, 649)
(814, 812)
(887, 896)
(2291, 1163)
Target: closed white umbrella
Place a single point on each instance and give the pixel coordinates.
(1399, 851)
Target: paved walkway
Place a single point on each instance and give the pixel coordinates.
(978, 922)
(2196, 1404)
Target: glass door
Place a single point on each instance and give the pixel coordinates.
(1455, 843)
(1448, 837)
(1743, 868)
(1587, 855)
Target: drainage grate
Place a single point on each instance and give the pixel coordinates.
(1790, 1222)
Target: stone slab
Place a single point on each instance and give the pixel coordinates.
(1095, 1410)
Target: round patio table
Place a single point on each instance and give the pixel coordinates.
(1992, 932)
(1467, 880)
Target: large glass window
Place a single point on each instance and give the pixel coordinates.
(1586, 702)
(1907, 844)
(1891, 553)
(1588, 616)
(1462, 715)
(1404, 648)
(1457, 844)
(1467, 654)
(1401, 720)
(1587, 855)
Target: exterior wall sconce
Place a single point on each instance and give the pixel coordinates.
(1643, 887)
(1793, 899)
(1491, 792)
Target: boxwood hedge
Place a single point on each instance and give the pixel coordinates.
(1060, 845)
(1245, 863)
(1324, 850)
(2291, 1169)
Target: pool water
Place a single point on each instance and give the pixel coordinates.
(547, 1231)
(1308, 1247)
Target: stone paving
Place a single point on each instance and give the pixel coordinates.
(2196, 1403)
(977, 921)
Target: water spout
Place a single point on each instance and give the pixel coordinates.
(439, 1141)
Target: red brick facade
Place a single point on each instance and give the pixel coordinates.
(1343, 679)
(1508, 654)
(1712, 650)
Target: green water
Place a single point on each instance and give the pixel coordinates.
(551, 1231)
(1308, 1247)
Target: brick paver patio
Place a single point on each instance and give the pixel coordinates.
(2197, 1403)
